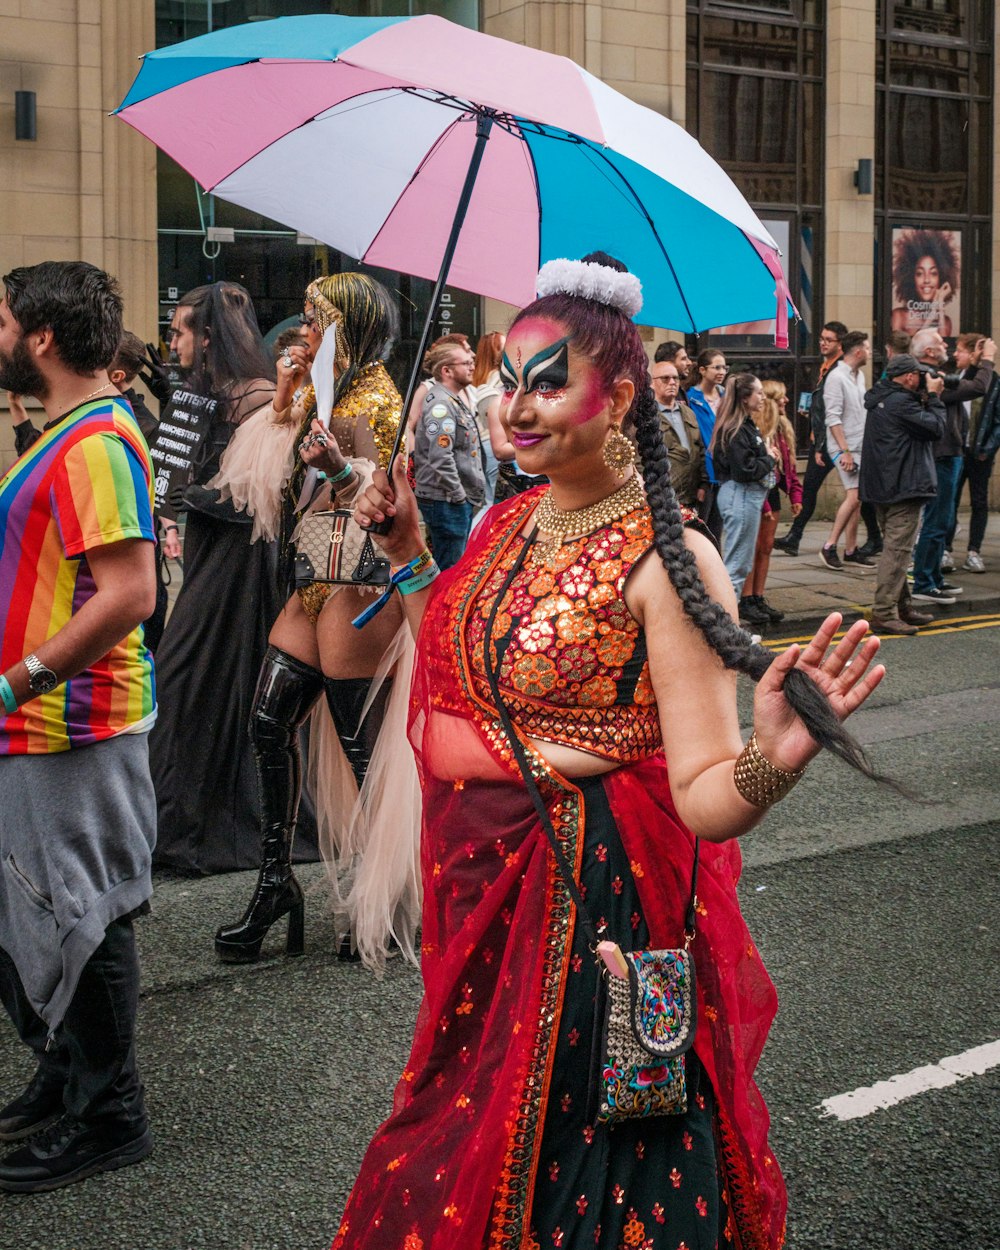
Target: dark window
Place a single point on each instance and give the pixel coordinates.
(755, 102)
(266, 256)
(934, 153)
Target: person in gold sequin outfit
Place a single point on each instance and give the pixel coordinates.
(288, 463)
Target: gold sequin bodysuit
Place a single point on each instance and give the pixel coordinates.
(373, 399)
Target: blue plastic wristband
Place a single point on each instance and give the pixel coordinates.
(344, 473)
(418, 581)
(7, 694)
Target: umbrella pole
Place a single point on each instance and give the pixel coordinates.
(484, 124)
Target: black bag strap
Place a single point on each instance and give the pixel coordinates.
(541, 808)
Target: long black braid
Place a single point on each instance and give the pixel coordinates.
(732, 645)
(610, 339)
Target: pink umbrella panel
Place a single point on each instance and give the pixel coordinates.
(368, 152)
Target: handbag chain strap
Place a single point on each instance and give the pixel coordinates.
(541, 808)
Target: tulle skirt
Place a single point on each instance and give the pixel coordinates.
(370, 842)
(255, 470)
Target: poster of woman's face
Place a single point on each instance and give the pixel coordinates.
(926, 280)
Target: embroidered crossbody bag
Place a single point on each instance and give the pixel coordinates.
(646, 1013)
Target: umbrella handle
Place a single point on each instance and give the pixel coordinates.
(484, 124)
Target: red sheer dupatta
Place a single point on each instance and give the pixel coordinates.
(453, 1168)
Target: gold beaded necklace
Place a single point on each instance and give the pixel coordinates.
(562, 525)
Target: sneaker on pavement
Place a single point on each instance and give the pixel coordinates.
(950, 588)
(774, 614)
(891, 625)
(788, 545)
(974, 563)
(858, 560)
(932, 596)
(37, 1105)
(870, 549)
(829, 557)
(947, 562)
(916, 618)
(752, 612)
(69, 1151)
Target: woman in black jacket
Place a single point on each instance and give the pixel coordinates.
(745, 470)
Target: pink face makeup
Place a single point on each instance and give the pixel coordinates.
(548, 375)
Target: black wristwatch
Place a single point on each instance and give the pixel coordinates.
(40, 679)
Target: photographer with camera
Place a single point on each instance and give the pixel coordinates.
(978, 354)
(897, 475)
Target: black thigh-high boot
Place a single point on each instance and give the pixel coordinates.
(345, 697)
(286, 691)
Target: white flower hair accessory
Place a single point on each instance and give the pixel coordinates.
(591, 281)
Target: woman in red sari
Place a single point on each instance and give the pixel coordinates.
(612, 676)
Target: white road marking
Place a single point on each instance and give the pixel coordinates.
(947, 1071)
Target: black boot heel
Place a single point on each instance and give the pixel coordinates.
(286, 690)
(296, 941)
(241, 943)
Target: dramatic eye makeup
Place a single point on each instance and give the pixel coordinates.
(548, 368)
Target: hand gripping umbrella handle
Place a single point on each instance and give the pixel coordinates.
(484, 124)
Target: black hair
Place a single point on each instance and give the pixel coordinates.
(836, 327)
(624, 355)
(130, 356)
(79, 303)
(910, 248)
(228, 346)
(852, 340)
(666, 352)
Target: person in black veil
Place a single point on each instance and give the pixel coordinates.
(214, 642)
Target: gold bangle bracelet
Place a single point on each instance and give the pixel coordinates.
(758, 780)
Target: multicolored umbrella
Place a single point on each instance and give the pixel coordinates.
(418, 145)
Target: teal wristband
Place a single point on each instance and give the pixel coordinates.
(344, 473)
(7, 694)
(418, 581)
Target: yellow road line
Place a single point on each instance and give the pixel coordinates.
(947, 625)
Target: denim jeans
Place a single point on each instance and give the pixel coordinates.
(93, 1053)
(449, 525)
(938, 516)
(740, 504)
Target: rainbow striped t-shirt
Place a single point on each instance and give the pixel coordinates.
(86, 483)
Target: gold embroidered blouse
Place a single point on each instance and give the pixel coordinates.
(575, 671)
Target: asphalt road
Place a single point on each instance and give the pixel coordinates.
(877, 918)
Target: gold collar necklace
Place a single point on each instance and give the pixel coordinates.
(562, 525)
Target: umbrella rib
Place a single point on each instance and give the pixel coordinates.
(356, 102)
(530, 156)
(656, 234)
(416, 174)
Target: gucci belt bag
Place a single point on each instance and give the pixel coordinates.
(331, 547)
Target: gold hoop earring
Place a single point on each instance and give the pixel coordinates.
(619, 454)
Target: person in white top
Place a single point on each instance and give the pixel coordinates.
(844, 401)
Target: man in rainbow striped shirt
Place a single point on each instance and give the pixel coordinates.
(77, 810)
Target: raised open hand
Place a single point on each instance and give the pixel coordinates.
(844, 674)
